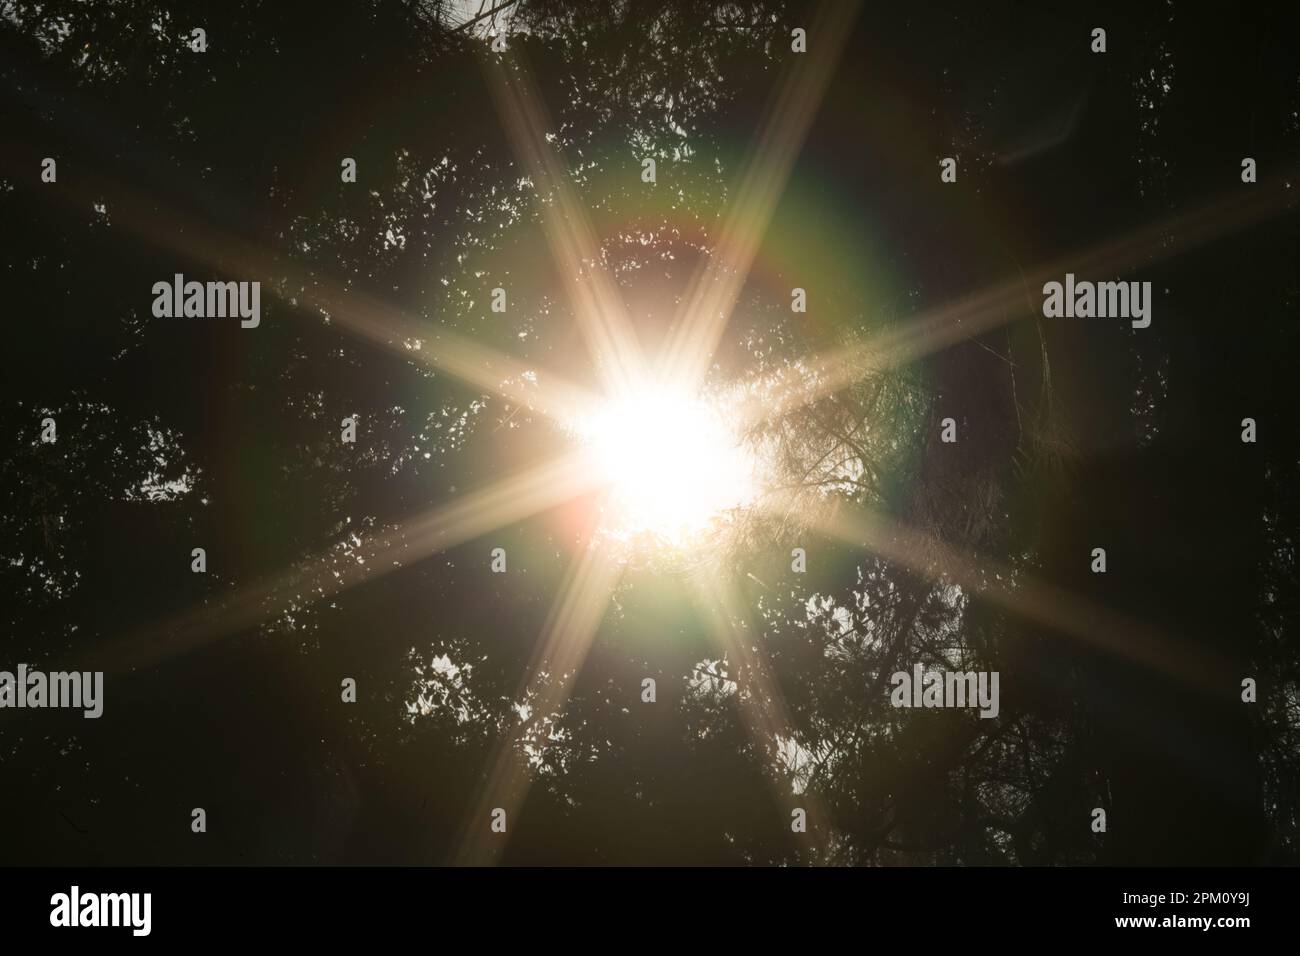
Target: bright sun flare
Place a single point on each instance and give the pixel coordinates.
(671, 463)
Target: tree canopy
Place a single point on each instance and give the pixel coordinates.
(1120, 690)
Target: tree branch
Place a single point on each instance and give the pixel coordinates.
(483, 16)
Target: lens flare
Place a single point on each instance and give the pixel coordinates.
(673, 466)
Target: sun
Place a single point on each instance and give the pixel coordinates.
(672, 464)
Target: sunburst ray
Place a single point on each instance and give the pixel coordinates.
(566, 638)
(982, 311)
(526, 493)
(759, 696)
(597, 304)
(358, 313)
(711, 297)
(1024, 595)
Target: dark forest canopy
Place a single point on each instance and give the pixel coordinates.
(1119, 690)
